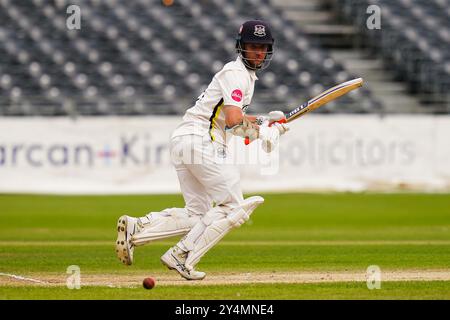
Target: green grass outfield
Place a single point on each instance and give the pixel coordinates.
(296, 246)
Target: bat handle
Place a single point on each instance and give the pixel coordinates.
(279, 121)
(247, 140)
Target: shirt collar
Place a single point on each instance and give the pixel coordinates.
(251, 72)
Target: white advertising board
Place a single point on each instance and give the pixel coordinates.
(120, 155)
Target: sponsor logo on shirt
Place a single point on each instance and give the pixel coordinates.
(236, 95)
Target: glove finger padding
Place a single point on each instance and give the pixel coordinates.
(246, 130)
(251, 134)
(238, 131)
(269, 138)
(276, 116)
(282, 127)
(251, 131)
(271, 117)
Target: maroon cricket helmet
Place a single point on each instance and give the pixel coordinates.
(255, 31)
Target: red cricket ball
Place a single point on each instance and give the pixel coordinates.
(149, 283)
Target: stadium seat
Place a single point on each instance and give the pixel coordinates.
(142, 58)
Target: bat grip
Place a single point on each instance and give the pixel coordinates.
(279, 121)
(247, 140)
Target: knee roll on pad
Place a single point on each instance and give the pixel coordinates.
(215, 214)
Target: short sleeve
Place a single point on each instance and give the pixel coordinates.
(233, 85)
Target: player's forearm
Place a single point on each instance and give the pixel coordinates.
(234, 116)
(233, 120)
(239, 119)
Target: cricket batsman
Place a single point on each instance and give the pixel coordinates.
(214, 203)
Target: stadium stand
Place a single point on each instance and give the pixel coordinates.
(414, 40)
(140, 57)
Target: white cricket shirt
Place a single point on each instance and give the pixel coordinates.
(233, 85)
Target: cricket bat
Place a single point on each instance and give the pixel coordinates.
(321, 99)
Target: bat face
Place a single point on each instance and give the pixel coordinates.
(319, 100)
(325, 97)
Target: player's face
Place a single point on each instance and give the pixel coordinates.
(255, 53)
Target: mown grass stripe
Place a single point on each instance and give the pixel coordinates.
(237, 243)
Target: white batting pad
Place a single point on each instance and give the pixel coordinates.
(167, 223)
(214, 226)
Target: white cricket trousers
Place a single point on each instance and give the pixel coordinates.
(204, 176)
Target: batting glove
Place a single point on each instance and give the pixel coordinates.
(282, 127)
(245, 130)
(269, 137)
(273, 116)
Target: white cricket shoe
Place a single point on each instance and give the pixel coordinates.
(175, 259)
(126, 227)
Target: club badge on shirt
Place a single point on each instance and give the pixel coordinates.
(221, 152)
